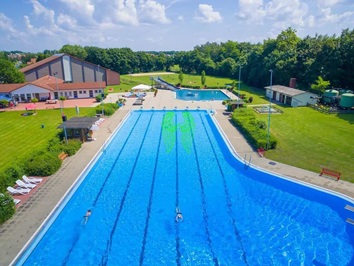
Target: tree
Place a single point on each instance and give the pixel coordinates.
(74, 50)
(9, 74)
(320, 84)
(180, 77)
(203, 78)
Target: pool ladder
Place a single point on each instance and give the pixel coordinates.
(249, 161)
(349, 208)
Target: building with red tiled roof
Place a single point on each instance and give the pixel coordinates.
(49, 88)
(71, 70)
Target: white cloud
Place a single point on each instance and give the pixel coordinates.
(283, 12)
(328, 3)
(125, 11)
(40, 10)
(66, 21)
(151, 11)
(181, 18)
(251, 10)
(6, 23)
(311, 21)
(328, 17)
(206, 14)
(33, 31)
(81, 7)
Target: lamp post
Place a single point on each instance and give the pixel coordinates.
(270, 106)
(61, 107)
(102, 94)
(239, 86)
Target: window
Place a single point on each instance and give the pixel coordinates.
(84, 92)
(95, 91)
(80, 92)
(77, 132)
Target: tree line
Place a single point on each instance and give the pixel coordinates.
(306, 59)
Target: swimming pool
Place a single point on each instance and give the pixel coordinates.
(201, 95)
(233, 214)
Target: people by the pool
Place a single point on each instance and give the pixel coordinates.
(86, 216)
(179, 216)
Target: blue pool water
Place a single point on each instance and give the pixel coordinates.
(201, 95)
(233, 214)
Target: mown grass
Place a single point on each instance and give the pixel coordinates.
(309, 139)
(20, 135)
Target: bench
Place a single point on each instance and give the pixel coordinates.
(62, 156)
(261, 151)
(51, 101)
(329, 172)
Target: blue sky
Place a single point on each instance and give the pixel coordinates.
(163, 25)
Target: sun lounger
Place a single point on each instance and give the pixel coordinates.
(21, 191)
(22, 184)
(17, 201)
(138, 102)
(31, 180)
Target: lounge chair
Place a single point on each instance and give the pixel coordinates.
(21, 191)
(31, 180)
(22, 184)
(17, 201)
(138, 102)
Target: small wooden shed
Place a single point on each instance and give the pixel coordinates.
(78, 127)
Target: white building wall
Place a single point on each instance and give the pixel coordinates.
(29, 92)
(303, 99)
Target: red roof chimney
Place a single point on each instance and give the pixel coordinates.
(292, 83)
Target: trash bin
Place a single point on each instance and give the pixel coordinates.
(42, 126)
(64, 118)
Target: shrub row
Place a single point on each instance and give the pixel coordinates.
(43, 162)
(108, 108)
(7, 207)
(255, 131)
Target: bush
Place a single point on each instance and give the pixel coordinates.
(72, 147)
(42, 163)
(108, 109)
(7, 207)
(253, 130)
(99, 98)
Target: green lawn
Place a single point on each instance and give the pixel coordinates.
(308, 139)
(21, 135)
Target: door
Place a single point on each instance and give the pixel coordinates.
(91, 93)
(75, 94)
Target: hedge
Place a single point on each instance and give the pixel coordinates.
(7, 207)
(255, 131)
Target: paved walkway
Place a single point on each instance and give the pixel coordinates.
(15, 233)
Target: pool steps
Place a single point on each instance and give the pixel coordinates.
(349, 208)
(349, 220)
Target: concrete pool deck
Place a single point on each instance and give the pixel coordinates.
(15, 233)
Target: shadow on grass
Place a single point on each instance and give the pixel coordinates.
(349, 117)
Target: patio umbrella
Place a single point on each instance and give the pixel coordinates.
(30, 106)
(141, 87)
